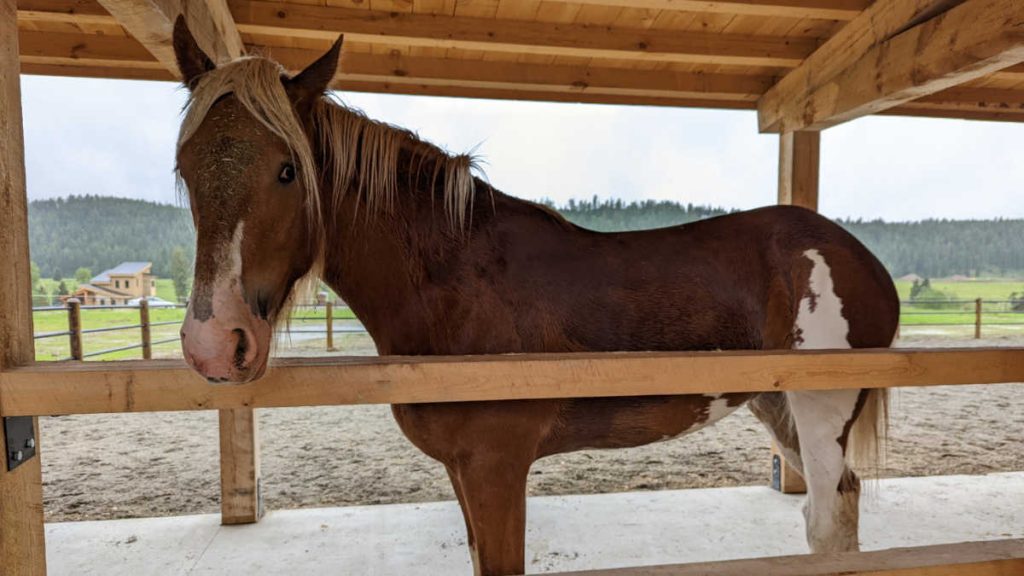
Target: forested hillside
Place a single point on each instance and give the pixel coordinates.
(98, 233)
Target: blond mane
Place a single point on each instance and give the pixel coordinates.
(360, 154)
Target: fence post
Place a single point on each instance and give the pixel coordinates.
(147, 339)
(329, 308)
(75, 327)
(977, 318)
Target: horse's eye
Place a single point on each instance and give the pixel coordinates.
(287, 174)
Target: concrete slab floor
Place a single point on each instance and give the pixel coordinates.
(564, 533)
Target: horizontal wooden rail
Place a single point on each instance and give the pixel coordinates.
(146, 386)
(992, 558)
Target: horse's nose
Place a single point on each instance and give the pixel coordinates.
(245, 348)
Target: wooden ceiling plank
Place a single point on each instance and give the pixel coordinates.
(151, 22)
(818, 9)
(468, 33)
(455, 73)
(970, 41)
(879, 22)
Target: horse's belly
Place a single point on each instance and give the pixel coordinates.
(634, 421)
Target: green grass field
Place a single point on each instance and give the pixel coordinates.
(993, 292)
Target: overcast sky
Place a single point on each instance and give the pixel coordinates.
(117, 138)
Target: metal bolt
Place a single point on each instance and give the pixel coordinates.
(30, 443)
(17, 456)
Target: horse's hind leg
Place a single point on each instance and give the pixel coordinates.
(492, 493)
(823, 421)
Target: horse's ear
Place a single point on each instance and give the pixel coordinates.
(311, 83)
(192, 61)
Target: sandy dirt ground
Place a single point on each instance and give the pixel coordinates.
(119, 466)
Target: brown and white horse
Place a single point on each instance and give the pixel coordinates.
(284, 182)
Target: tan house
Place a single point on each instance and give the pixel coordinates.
(115, 287)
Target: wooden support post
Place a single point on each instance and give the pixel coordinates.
(22, 548)
(785, 478)
(241, 497)
(75, 327)
(147, 337)
(329, 309)
(799, 154)
(977, 319)
(798, 169)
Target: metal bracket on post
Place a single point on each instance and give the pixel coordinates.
(21, 440)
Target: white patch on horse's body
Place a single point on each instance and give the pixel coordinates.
(717, 409)
(227, 288)
(821, 416)
(819, 321)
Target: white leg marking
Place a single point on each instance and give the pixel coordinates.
(821, 416)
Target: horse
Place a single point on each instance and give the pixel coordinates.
(284, 182)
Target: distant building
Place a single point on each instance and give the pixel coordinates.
(114, 287)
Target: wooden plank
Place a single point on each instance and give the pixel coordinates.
(968, 42)
(879, 22)
(22, 548)
(523, 37)
(84, 50)
(799, 159)
(167, 385)
(69, 11)
(993, 558)
(151, 22)
(92, 71)
(398, 69)
(240, 497)
(822, 9)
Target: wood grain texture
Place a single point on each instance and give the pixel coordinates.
(239, 467)
(799, 166)
(525, 37)
(970, 41)
(22, 549)
(157, 385)
(879, 22)
(823, 9)
(994, 558)
(151, 22)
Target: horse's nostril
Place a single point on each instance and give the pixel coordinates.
(241, 348)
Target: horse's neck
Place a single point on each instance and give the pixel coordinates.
(402, 272)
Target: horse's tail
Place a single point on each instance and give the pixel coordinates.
(866, 443)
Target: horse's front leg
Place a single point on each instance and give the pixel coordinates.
(492, 492)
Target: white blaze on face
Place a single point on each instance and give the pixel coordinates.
(819, 322)
(223, 339)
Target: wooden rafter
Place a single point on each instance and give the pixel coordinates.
(398, 69)
(879, 22)
(526, 37)
(967, 42)
(823, 9)
(151, 22)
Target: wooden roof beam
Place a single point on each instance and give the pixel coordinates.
(151, 22)
(374, 26)
(478, 74)
(879, 22)
(818, 9)
(970, 41)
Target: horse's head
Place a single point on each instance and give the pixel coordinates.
(246, 161)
